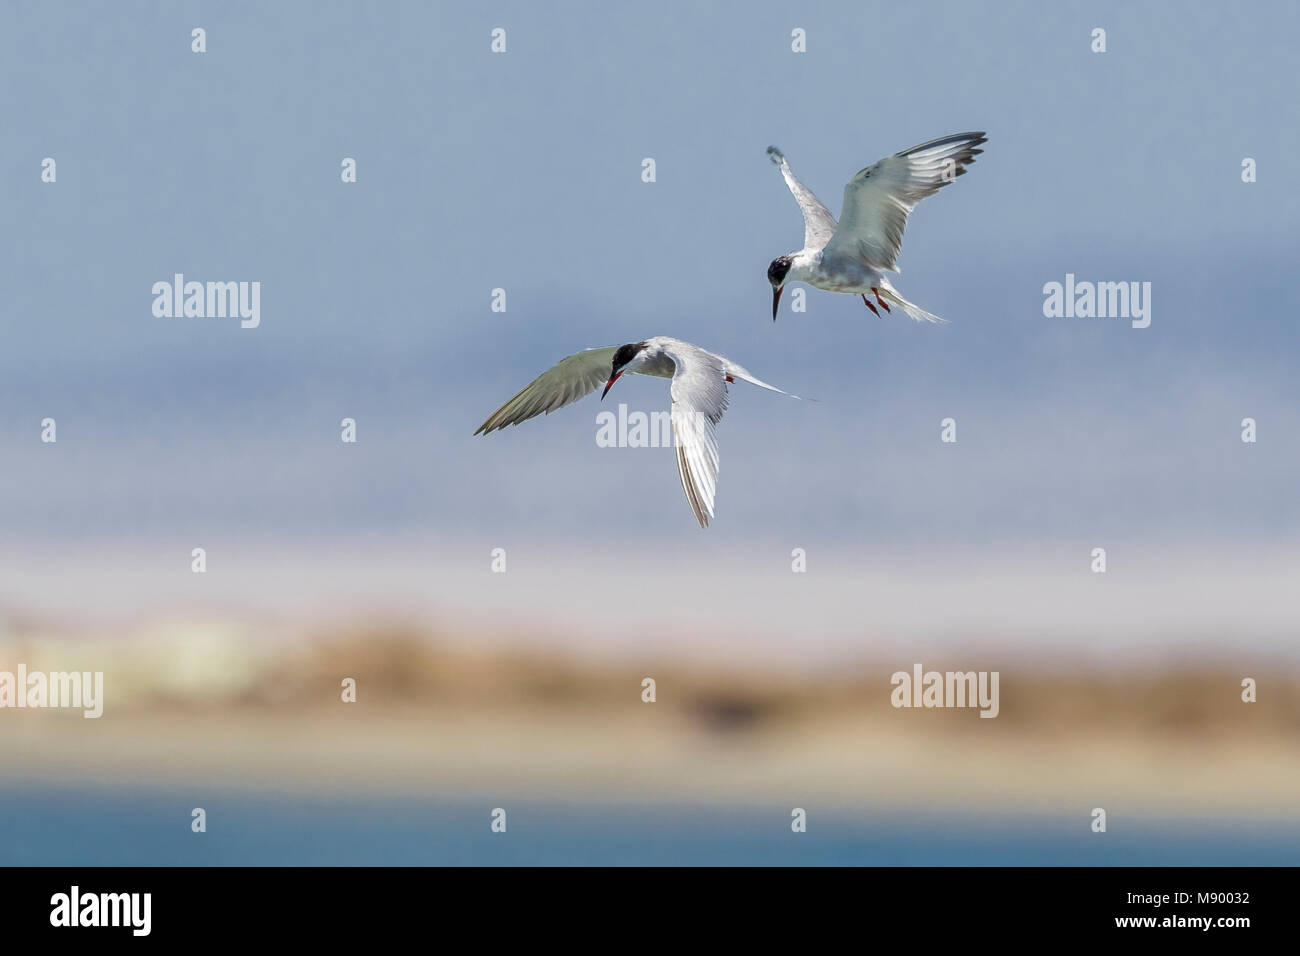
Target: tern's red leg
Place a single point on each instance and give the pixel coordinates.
(867, 303)
(731, 380)
(883, 304)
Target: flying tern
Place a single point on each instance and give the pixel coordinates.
(699, 393)
(856, 254)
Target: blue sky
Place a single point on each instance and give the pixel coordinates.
(522, 171)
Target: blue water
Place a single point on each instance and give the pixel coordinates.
(42, 826)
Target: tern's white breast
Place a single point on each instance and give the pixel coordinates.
(838, 274)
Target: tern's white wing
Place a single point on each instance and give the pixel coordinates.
(699, 391)
(569, 380)
(818, 223)
(879, 198)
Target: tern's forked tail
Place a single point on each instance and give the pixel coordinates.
(913, 310)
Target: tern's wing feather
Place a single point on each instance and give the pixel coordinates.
(569, 380)
(878, 199)
(699, 392)
(818, 223)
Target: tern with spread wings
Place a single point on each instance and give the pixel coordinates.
(699, 393)
(856, 254)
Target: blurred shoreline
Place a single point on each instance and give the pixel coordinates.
(218, 706)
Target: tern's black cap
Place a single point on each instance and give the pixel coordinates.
(626, 353)
(776, 272)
